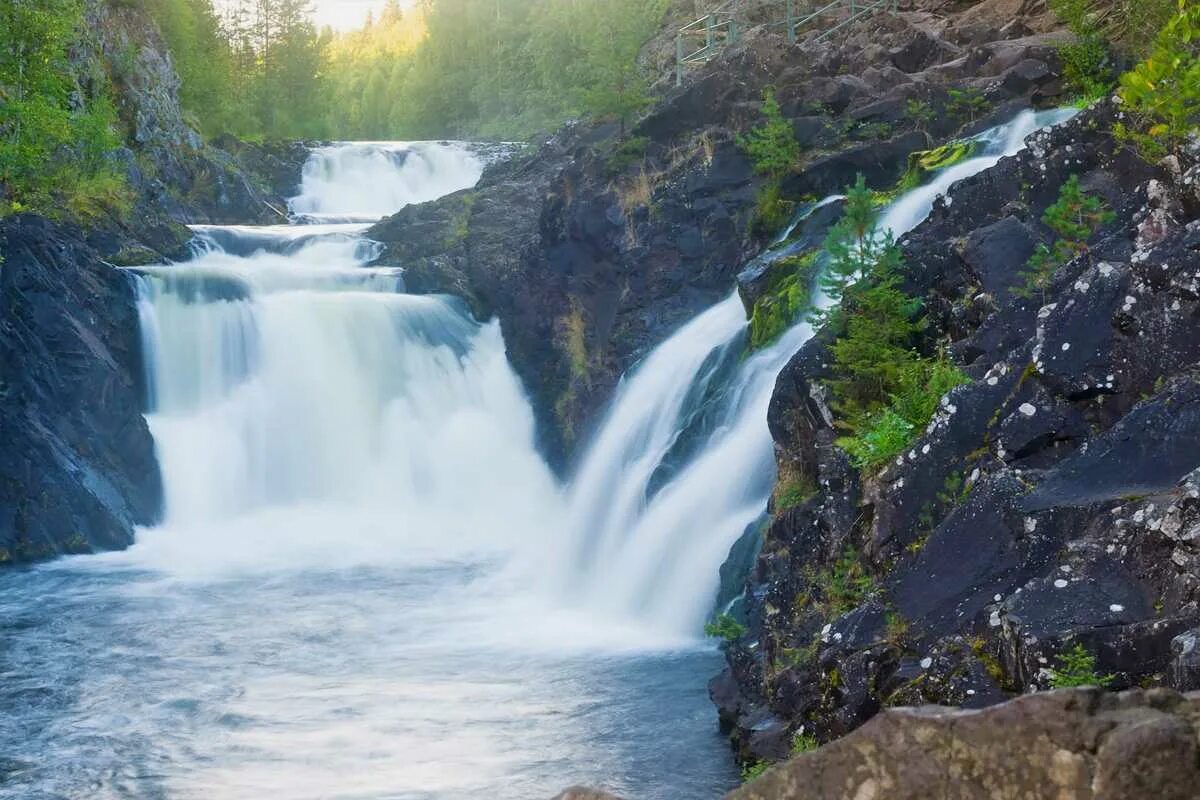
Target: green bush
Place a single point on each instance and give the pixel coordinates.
(843, 585)
(1162, 94)
(725, 627)
(752, 771)
(1086, 62)
(966, 105)
(55, 143)
(772, 146)
(1077, 667)
(803, 743)
(1075, 217)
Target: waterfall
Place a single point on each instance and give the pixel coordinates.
(307, 413)
(651, 550)
(365, 181)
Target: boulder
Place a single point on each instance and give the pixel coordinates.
(1066, 745)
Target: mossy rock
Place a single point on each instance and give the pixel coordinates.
(924, 163)
(788, 294)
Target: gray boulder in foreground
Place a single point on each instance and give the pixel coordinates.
(1076, 744)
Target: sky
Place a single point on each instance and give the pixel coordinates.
(345, 14)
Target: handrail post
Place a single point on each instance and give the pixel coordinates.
(733, 31)
(679, 59)
(709, 33)
(791, 17)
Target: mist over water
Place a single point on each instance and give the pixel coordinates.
(367, 583)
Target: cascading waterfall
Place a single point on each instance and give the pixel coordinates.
(652, 552)
(367, 583)
(365, 181)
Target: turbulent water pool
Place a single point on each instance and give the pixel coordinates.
(121, 682)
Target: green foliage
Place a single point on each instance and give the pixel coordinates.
(1075, 217)
(725, 627)
(844, 585)
(478, 68)
(803, 742)
(884, 393)
(771, 210)
(792, 492)
(1086, 63)
(772, 146)
(752, 771)
(966, 104)
(56, 138)
(920, 112)
(626, 153)
(880, 438)
(1077, 667)
(1162, 93)
(787, 297)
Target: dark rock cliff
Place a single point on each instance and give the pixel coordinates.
(1051, 502)
(77, 464)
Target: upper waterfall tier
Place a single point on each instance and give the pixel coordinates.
(367, 181)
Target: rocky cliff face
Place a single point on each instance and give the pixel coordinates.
(591, 250)
(77, 464)
(1051, 502)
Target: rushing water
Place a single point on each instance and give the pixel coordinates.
(367, 583)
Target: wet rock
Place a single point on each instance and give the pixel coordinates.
(77, 463)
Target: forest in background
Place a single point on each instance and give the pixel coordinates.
(443, 68)
(481, 69)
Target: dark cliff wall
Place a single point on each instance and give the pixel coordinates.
(1050, 504)
(77, 465)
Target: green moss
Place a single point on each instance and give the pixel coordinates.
(771, 211)
(793, 491)
(923, 163)
(788, 295)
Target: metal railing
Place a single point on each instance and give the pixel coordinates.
(721, 28)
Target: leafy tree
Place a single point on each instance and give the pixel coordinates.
(1086, 63)
(1163, 92)
(54, 150)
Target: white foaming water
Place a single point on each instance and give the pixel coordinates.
(366, 181)
(344, 598)
(652, 551)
